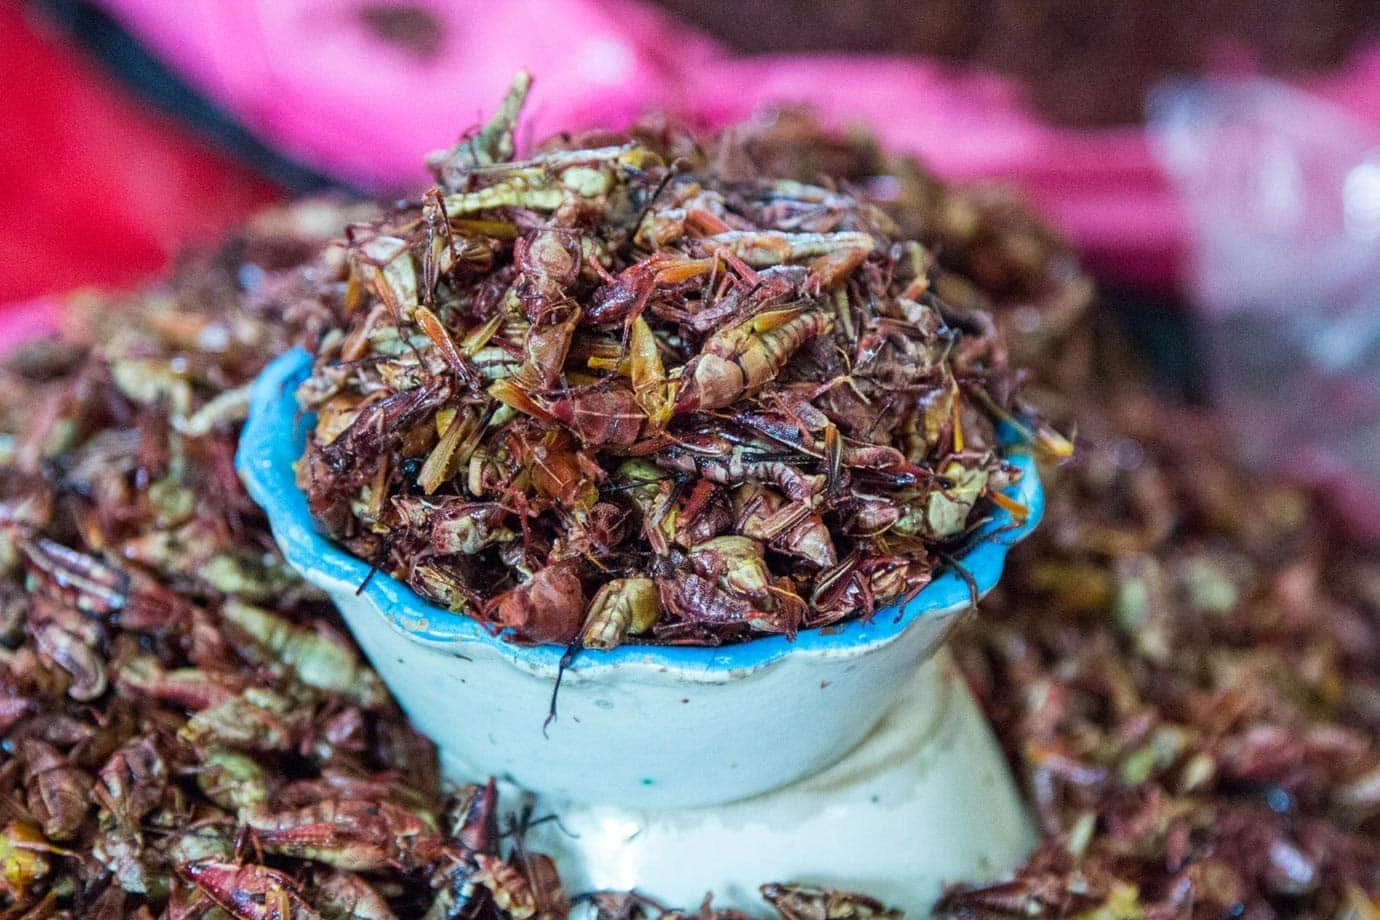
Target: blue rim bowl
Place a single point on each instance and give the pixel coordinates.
(274, 438)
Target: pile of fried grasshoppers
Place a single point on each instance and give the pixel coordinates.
(1182, 665)
(622, 391)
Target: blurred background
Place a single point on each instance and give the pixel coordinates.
(1213, 164)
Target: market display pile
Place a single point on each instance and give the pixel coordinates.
(620, 391)
(1181, 667)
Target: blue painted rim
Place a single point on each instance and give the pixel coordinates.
(275, 436)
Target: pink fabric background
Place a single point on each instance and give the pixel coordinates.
(310, 78)
(27, 319)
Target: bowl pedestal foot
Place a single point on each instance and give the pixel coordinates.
(925, 800)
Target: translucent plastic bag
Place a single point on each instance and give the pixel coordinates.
(1283, 192)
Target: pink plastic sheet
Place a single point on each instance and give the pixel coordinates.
(312, 78)
(28, 319)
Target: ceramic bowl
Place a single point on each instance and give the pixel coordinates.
(642, 727)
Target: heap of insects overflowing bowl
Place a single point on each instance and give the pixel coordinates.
(609, 393)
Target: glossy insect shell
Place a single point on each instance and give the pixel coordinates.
(639, 726)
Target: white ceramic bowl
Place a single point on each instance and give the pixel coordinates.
(641, 727)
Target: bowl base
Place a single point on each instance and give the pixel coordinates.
(925, 800)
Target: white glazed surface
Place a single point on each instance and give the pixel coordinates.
(639, 738)
(925, 800)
